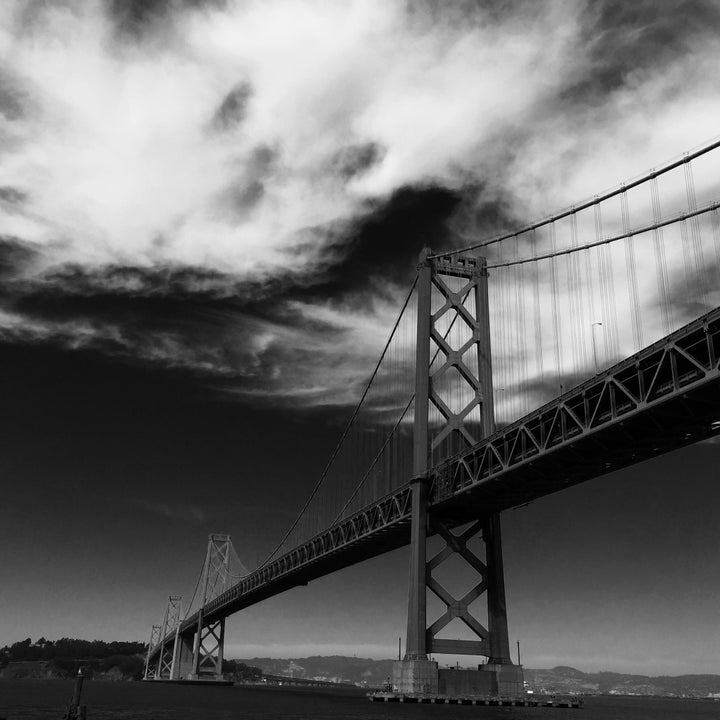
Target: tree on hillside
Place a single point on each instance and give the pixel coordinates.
(68, 649)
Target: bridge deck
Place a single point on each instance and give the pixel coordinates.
(662, 398)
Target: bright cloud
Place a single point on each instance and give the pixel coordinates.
(123, 159)
(247, 141)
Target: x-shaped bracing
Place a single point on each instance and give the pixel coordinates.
(166, 660)
(210, 647)
(454, 607)
(454, 357)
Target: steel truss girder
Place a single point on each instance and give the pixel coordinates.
(685, 362)
(386, 515)
(457, 607)
(669, 369)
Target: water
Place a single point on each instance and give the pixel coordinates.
(46, 700)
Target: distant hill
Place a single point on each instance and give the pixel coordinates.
(566, 680)
(125, 661)
(560, 679)
(335, 668)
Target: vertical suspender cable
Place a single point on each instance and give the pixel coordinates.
(537, 319)
(715, 221)
(695, 230)
(555, 313)
(660, 260)
(522, 331)
(632, 277)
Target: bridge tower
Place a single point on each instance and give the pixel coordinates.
(155, 637)
(193, 650)
(165, 638)
(459, 284)
(209, 636)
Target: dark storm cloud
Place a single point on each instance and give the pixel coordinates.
(211, 324)
(187, 302)
(363, 250)
(118, 290)
(13, 100)
(135, 19)
(12, 195)
(194, 304)
(15, 255)
(28, 15)
(354, 160)
(626, 39)
(471, 13)
(248, 189)
(200, 322)
(233, 108)
(384, 245)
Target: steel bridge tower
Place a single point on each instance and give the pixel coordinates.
(460, 283)
(197, 651)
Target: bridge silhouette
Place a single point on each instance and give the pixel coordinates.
(518, 366)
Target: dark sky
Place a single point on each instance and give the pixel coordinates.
(115, 475)
(203, 242)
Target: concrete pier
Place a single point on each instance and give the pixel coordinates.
(536, 701)
(424, 677)
(415, 677)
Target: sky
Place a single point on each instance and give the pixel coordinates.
(209, 215)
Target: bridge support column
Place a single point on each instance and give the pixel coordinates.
(165, 661)
(415, 674)
(150, 665)
(183, 663)
(499, 642)
(507, 678)
(208, 651)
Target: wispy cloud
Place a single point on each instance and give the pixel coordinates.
(223, 187)
(242, 132)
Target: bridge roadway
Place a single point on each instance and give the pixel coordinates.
(662, 398)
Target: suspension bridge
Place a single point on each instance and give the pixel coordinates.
(519, 365)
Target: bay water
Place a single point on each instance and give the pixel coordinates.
(47, 700)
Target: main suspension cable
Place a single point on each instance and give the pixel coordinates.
(347, 428)
(686, 158)
(635, 231)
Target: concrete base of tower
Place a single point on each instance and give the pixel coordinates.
(490, 680)
(415, 677)
(423, 677)
(508, 678)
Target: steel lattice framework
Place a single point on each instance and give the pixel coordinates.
(665, 397)
(457, 607)
(473, 272)
(163, 642)
(156, 635)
